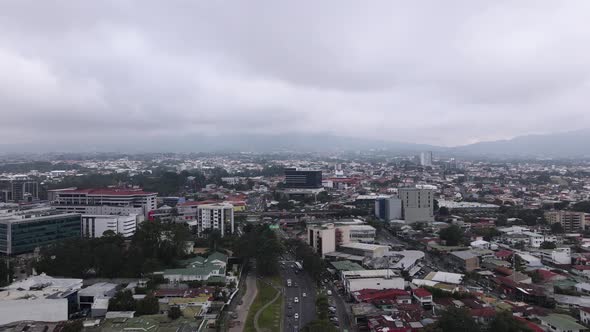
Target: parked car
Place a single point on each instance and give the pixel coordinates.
(296, 300)
(296, 316)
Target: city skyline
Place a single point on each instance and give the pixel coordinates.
(445, 74)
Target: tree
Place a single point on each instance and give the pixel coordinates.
(443, 211)
(122, 301)
(322, 304)
(452, 235)
(583, 206)
(319, 326)
(148, 306)
(6, 272)
(73, 326)
(548, 245)
(536, 277)
(174, 313)
(557, 228)
(505, 322)
(457, 320)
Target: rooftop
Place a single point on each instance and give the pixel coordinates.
(563, 322)
(105, 192)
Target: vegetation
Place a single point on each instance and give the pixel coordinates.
(583, 206)
(73, 326)
(452, 235)
(6, 272)
(548, 245)
(261, 243)
(147, 306)
(557, 228)
(319, 326)
(265, 294)
(456, 320)
(174, 312)
(122, 301)
(312, 263)
(505, 322)
(154, 246)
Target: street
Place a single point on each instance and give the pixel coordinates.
(300, 283)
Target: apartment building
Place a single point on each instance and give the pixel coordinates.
(217, 216)
(571, 221)
(417, 203)
(94, 226)
(103, 201)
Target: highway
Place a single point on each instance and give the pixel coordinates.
(301, 283)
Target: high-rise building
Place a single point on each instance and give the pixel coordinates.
(19, 189)
(388, 208)
(94, 226)
(24, 231)
(303, 179)
(426, 158)
(417, 203)
(324, 238)
(217, 216)
(103, 201)
(571, 221)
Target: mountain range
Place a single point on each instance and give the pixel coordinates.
(573, 144)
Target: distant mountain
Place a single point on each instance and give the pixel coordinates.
(565, 144)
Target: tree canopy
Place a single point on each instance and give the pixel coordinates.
(457, 320)
(452, 235)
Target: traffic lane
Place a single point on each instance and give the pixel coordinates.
(305, 307)
(341, 312)
(308, 309)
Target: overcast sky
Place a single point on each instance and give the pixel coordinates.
(437, 72)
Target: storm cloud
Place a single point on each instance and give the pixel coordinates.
(435, 72)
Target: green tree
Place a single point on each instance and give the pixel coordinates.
(457, 320)
(443, 211)
(319, 326)
(122, 301)
(452, 235)
(73, 326)
(548, 245)
(583, 206)
(322, 304)
(5, 272)
(505, 322)
(556, 228)
(148, 306)
(174, 313)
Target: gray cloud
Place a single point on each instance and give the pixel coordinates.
(437, 72)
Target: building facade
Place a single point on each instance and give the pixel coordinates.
(303, 179)
(25, 231)
(103, 201)
(571, 221)
(94, 226)
(388, 208)
(19, 189)
(417, 203)
(217, 216)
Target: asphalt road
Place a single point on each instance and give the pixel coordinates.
(301, 283)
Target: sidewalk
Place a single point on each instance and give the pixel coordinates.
(247, 299)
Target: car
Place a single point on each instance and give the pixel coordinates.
(296, 316)
(329, 292)
(334, 319)
(296, 300)
(332, 309)
(289, 306)
(304, 294)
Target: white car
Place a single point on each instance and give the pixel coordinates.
(329, 292)
(296, 316)
(296, 300)
(304, 294)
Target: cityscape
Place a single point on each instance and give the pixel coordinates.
(294, 166)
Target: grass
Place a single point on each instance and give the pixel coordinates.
(270, 318)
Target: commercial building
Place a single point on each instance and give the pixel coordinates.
(23, 231)
(103, 201)
(388, 208)
(465, 260)
(426, 158)
(371, 279)
(18, 189)
(199, 268)
(417, 203)
(362, 233)
(364, 249)
(95, 225)
(303, 179)
(217, 216)
(324, 238)
(95, 298)
(535, 239)
(571, 221)
(39, 298)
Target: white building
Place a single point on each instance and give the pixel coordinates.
(560, 256)
(96, 298)
(38, 298)
(535, 239)
(103, 201)
(95, 225)
(217, 216)
(480, 243)
(323, 238)
(372, 279)
(417, 203)
(426, 158)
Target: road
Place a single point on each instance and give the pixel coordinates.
(301, 283)
(341, 309)
(247, 300)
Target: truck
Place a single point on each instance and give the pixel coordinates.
(288, 282)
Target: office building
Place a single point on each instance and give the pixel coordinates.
(388, 208)
(426, 158)
(18, 189)
(417, 203)
(103, 201)
(217, 216)
(23, 231)
(362, 233)
(303, 179)
(571, 221)
(94, 226)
